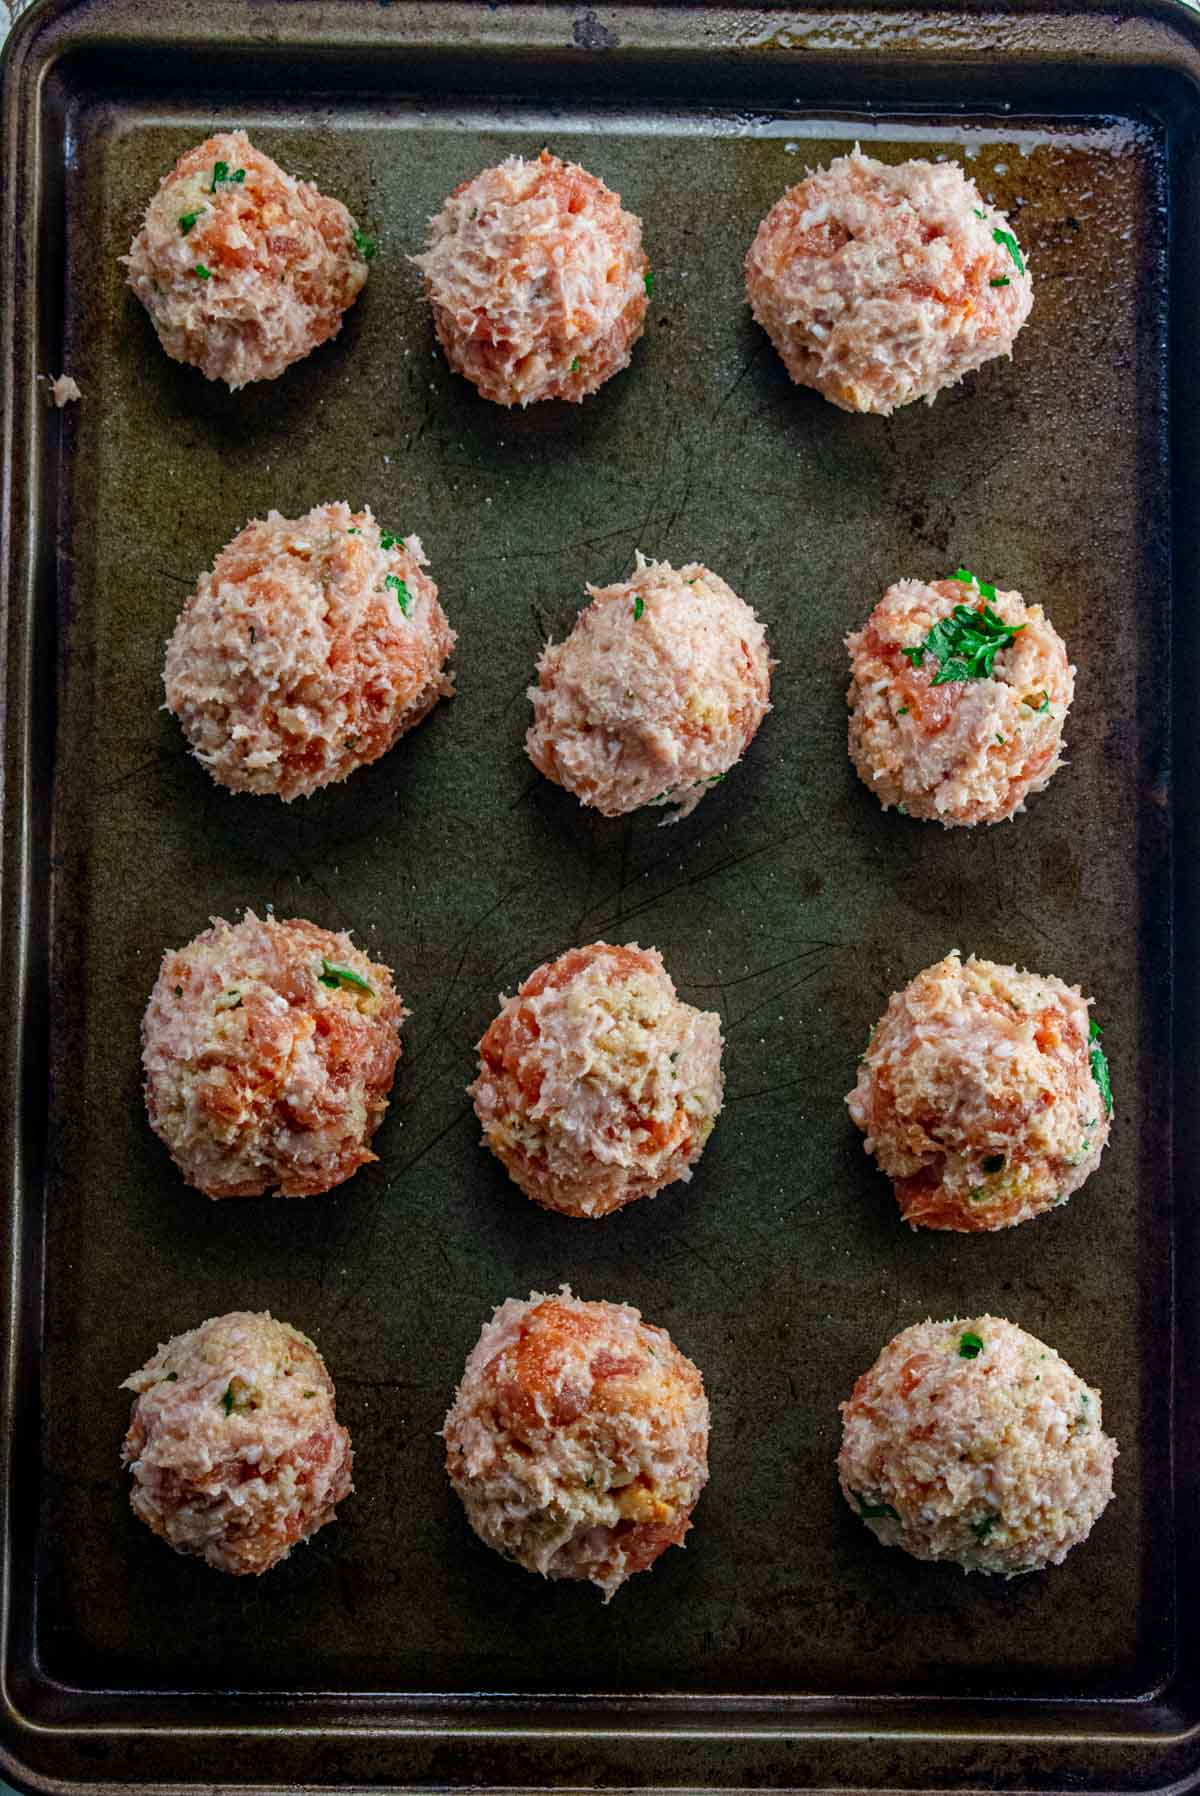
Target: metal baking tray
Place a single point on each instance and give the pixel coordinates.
(784, 1648)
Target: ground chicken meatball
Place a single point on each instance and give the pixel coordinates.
(655, 694)
(242, 269)
(234, 1446)
(974, 1442)
(960, 731)
(537, 280)
(984, 1095)
(311, 648)
(879, 285)
(269, 1050)
(597, 1083)
(578, 1439)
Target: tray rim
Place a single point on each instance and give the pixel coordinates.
(1164, 34)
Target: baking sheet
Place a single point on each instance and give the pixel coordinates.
(788, 902)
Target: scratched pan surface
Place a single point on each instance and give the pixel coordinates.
(788, 902)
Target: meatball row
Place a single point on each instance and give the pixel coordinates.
(269, 1050)
(315, 643)
(878, 285)
(577, 1442)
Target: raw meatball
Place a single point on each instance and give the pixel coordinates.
(972, 1441)
(269, 1050)
(242, 269)
(578, 1439)
(597, 1083)
(234, 1446)
(537, 281)
(311, 648)
(655, 694)
(881, 285)
(984, 1095)
(957, 737)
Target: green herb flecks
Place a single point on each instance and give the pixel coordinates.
(401, 591)
(994, 1163)
(903, 711)
(969, 579)
(179, 991)
(1100, 1066)
(874, 1512)
(334, 974)
(902, 808)
(979, 213)
(639, 605)
(169, 1378)
(1012, 246)
(1000, 739)
(186, 221)
(227, 1400)
(205, 274)
(966, 643)
(1035, 708)
(970, 1346)
(223, 178)
(982, 1528)
(388, 541)
(308, 1393)
(648, 280)
(999, 280)
(353, 530)
(575, 366)
(366, 246)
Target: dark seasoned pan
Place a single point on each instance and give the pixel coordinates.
(784, 1647)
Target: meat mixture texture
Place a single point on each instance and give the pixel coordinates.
(537, 279)
(578, 1439)
(973, 1441)
(656, 693)
(269, 1050)
(313, 645)
(958, 697)
(597, 1084)
(243, 269)
(880, 284)
(984, 1095)
(234, 1447)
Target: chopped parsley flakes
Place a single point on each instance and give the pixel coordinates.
(401, 591)
(970, 1346)
(227, 1400)
(387, 541)
(649, 283)
(204, 273)
(575, 366)
(999, 280)
(979, 212)
(333, 974)
(366, 246)
(1100, 1066)
(966, 643)
(969, 579)
(1011, 245)
(874, 1512)
(639, 605)
(223, 178)
(982, 1528)
(186, 221)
